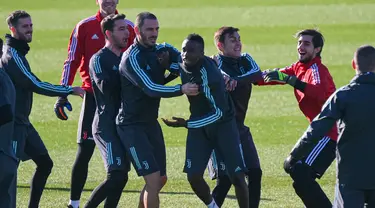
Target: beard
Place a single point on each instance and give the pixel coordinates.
(146, 41)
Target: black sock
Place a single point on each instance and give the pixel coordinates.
(43, 170)
(110, 189)
(80, 169)
(221, 189)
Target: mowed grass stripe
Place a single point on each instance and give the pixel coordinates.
(89, 4)
(218, 16)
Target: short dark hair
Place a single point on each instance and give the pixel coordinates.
(219, 36)
(108, 23)
(197, 38)
(364, 58)
(141, 17)
(317, 38)
(12, 19)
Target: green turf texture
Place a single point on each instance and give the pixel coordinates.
(266, 28)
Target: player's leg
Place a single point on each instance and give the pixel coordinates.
(86, 146)
(37, 151)
(117, 167)
(198, 150)
(140, 151)
(254, 173)
(8, 173)
(304, 174)
(156, 139)
(223, 182)
(228, 145)
(348, 197)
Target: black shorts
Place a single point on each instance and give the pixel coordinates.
(321, 156)
(84, 133)
(112, 150)
(27, 142)
(216, 165)
(222, 137)
(8, 178)
(145, 146)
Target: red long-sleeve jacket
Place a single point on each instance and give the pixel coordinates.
(85, 40)
(319, 86)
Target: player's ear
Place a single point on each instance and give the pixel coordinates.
(107, 34)
(136, 30)
(220, 46)
(317, 50)
(353, 64)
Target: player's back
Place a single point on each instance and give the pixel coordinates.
(106, 87)
(356, 144)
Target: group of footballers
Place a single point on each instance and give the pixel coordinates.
(124, 74)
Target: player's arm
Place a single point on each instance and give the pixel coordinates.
(276, 76)
(71, 65)
(215, 97)
(319, 85)
(100, 77)
(24, 78)
(252, 73)
(331, 112)
(133, 69)
(5, 108)
(75, 53)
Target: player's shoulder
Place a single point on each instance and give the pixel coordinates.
(166, 46)
(130, 23)
(133, 53)
(86, 21)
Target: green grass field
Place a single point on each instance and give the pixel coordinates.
(266, 27)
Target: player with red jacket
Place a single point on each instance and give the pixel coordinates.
(313, 85)
(86, 39)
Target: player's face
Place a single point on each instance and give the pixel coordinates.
(107, 7)
(120, 34)
(191, 52)
(149, 32)
(232, 46)
(24, 29)
(305, 48)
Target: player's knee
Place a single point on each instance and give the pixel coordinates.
(255, 175)
(117, 178)
(44, 164)
(302, 173)
(194, 178)
(164, 180)
(153, 182)
(238, 179)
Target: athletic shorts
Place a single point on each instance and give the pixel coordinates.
(112, 150)
(27, 142)
(216, 165)
(84, 133)
(224, 138)
(145, 146)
